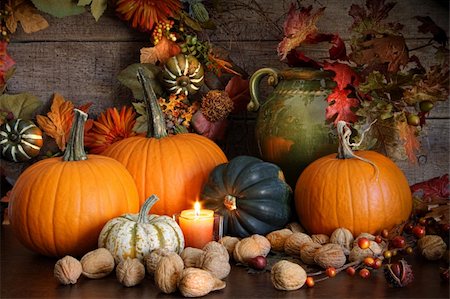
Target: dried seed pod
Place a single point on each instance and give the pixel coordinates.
(308, 251)
(294, 243)
(197, 282)
(251, 247)
(432, 247)
(229, 243)
(152, 259)
(344, 238)
(320, 239)
(97, 263)
(278, 238)
(330, 255)
(67, 270)
(130, 272)
(398, 274)
(191, 256)
(287, 276)
(168, 272)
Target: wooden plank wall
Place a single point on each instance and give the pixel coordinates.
(80, 59)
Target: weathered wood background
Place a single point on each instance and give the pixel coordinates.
(80, 59)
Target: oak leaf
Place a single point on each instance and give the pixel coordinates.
(161, 52)
(340, 105)
(408, 136)
(344, 74)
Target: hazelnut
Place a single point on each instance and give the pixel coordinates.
(97, 263)
(67, 270)
(432, 247)
(130, 272)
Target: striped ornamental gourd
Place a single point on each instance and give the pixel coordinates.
(20, 140)
(136, 235)
(183, 74)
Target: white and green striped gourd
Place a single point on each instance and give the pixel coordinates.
(20, 140)
(183, 74)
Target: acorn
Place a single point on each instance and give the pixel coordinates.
(398, 274)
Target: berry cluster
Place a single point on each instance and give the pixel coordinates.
(4, 32)
(164, 29)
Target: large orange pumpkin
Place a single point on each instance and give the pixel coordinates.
(174, 167)
(362, 191)
(58, 206)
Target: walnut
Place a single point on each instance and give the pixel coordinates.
(130, 272)
(251, 247)
(432, 247)
(358, 254)
(168, 271)
(294, 242)
(217, 247)
(330, 255)
(277, 238)
(368, 236)
(295, 227)
(215, 262)
(344, 238)
(320, 238)
(197, 282)
(287, 276)
(190, 256)
(307, 252)
(97, 263)
(229, 243)
(67, 270)
(152, 259)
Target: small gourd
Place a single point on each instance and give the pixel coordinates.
(136, 235)
(20, 140)
(183, 74)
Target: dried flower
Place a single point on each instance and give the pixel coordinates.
(216, 105)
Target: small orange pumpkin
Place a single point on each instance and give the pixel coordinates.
(58, 206)
(362, 191)
(174, 167)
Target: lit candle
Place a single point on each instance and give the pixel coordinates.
(197, 226)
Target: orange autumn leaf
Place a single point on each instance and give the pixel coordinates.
(59, 120)
(27, 15)
(161, 52)
(408, 136)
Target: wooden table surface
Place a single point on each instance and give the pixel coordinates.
(27, 275)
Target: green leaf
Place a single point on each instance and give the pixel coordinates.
(128, 78)
(98, 8)
(22, 105)
(58, 8)
(141, 121)
(84, 2)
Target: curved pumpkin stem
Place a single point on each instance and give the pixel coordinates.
(145, 209)
(75, 145)
(156, 123)
(344, 151)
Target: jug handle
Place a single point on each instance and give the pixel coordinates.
(255, 79)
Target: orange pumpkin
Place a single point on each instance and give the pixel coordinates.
(362, 191)
(58, 206)
(174, 167)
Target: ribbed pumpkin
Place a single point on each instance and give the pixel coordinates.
(136, 235)
(250, 194)
(58, 206)
(183, 74)
(362, 191)
(20, 140)
(173, 167)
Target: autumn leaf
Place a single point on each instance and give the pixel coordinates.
(22, 105)
(59, 120)
(437, 187)
(239, 92)
(27, 15)
(298, 26)
(344, 74)
(161, 52)
(58, 8)
(434, 86)
(428, 26)
(340, 105)
(371, 19)
(408, 138)
(297, 58)
(6, 65)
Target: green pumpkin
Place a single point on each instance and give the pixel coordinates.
(250, 194)
(136, 235)
(20, 140)
(183, 74)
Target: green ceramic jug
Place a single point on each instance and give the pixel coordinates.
(291, 130)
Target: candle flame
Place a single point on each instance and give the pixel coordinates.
(197, 208)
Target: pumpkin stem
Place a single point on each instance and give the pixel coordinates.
(344, 150)
(156, 123)
(75, 145)
(230, 202)
(145, 209)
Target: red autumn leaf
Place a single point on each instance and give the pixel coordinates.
(408, 136)
(6, 63)
(239, 92)
(298, 28)
(340, 106)
(437, 187)
(345, 75)
(337, 51)
(298, 59)
(161, 52)
(212, 130)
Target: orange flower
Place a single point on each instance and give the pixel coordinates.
(144, 14)
(111, 126)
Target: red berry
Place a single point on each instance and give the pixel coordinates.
(444, 227)
(369, 261)
(310, 281)
(419, 231)
(258, 263)
(350, 271)
(385, 233)
(422, 221)
(408, 227)
(398, 242)
(377, 264)
(330, 272)
(364, 273)
(363, 243)
(378, 239)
